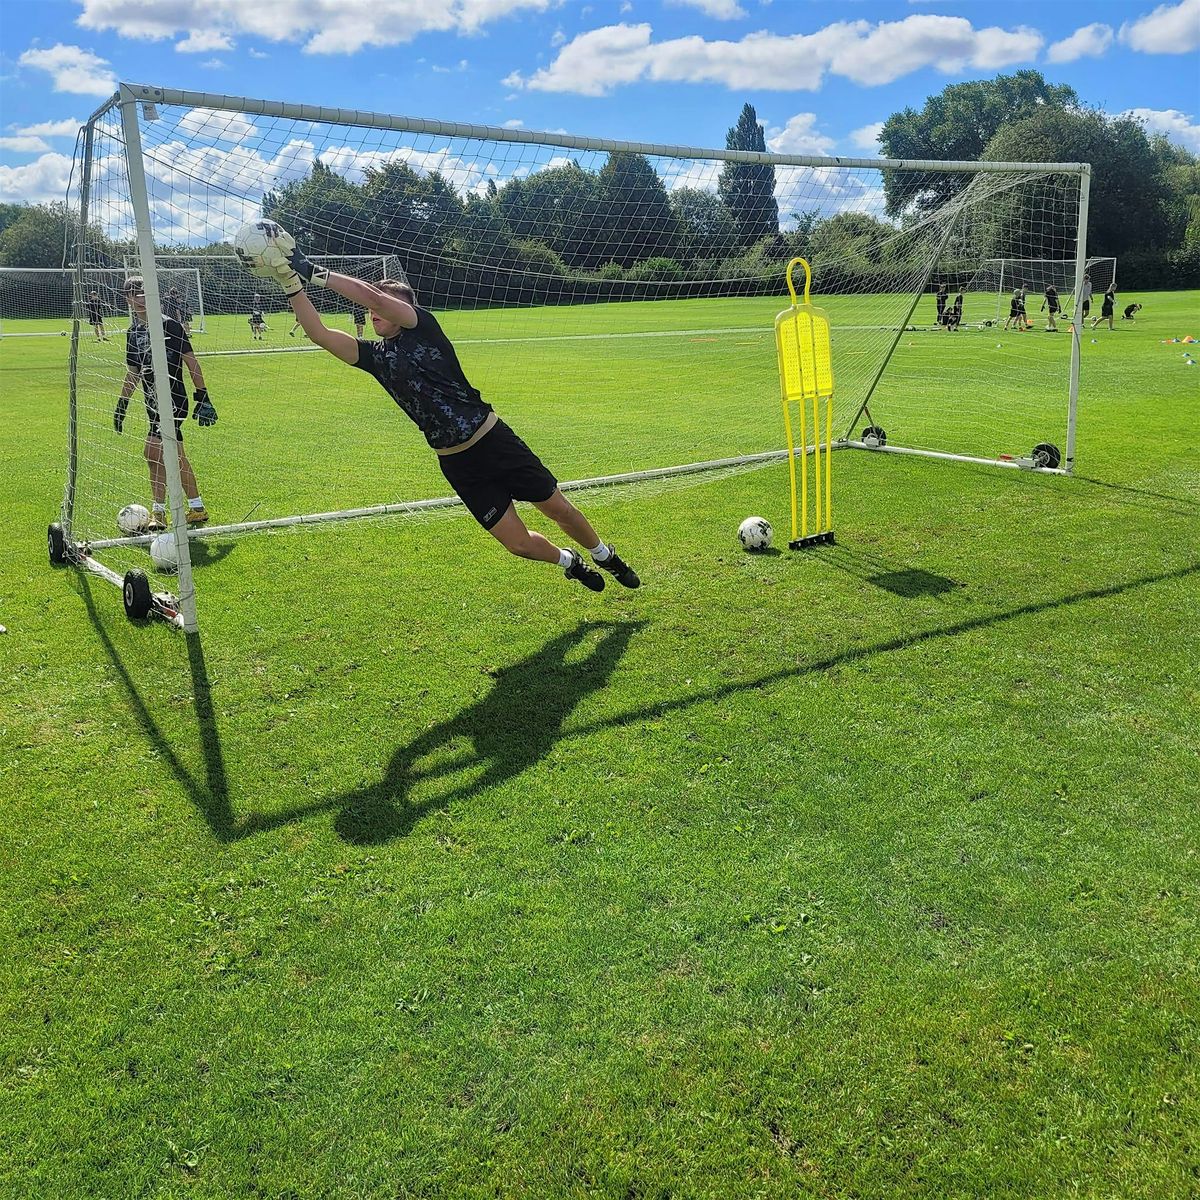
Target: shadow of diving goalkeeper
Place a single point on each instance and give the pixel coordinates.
(483, 460)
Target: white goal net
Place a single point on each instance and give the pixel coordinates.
(614, 301)
(45, 301)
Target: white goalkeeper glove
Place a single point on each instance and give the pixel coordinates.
(275, 260)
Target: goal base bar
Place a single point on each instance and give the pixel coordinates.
(813, 539)
(1017, 464)
(162, 604)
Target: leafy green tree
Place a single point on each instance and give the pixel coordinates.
(956, 125)
(800, 235)
(706, 229)
(9, 213)
(748, 189)
(1129, 205)
(323, 210)
(408, 211)
(35, 237)
(558, 207)
(850, 238)
(636, 218)
(1180, 171)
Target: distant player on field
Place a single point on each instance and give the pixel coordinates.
(139, 368)
(1085, 296)
(257, 324)
(1051, 307)
(95, 315)
(954, 314)
(940, 299)
(1014, 310)
(1106, 307)
(359, 317)
(483, 460)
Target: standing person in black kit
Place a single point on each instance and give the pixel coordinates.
(139, 369)
(483, 460)
(942, 292)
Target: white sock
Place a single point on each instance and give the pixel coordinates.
(565, 559)
(601, 552)
(195, 502)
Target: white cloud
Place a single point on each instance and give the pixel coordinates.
(217, 126)
(73, 69)
(66, 128)
(321, 26)
(1179, 127)
(38, 182)
(1091, 41)
(800, 136)
(595, 62)
(514, 124)
(867, 138)
(204, 41)
(1169, 29)
(257, 54)
(24, 143)
(213, 64)
(721, 10)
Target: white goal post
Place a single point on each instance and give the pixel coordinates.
(45, 301)
(1034, 275)
(615, 300)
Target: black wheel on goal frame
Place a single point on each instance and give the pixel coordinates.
(874, 435)
(1045, 454)
(57, 542)
(136, 593)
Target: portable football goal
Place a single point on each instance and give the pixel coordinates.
(615, 300)
(46, 301)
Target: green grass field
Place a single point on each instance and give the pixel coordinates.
(420, 872)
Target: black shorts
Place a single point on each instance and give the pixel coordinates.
(494, 472)
(181, 412)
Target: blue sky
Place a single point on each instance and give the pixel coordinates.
(820, 75)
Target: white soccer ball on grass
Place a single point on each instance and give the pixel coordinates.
(755, 533)
(262, 247)
(133, 518)
(162, 553)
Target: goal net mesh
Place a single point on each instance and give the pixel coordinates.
(616, 304)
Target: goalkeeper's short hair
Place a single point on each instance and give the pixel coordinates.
(397, 287)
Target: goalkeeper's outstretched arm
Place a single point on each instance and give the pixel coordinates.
(333, 340)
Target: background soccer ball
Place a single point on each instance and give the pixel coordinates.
(133, 518)
(162, 552)
(254, 240)
(755, 533)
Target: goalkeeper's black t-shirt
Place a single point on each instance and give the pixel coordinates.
(138, 358)
(419, 369)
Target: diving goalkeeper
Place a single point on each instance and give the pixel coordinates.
(483, 460)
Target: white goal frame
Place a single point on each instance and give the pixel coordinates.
(115, 276)
(129, 98)
(1009, 278)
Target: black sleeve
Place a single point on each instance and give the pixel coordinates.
(174, 333)
(367, 357)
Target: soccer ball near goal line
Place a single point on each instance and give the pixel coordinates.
(262, 242)
(133, 518)
(755, 533)
(162, 553)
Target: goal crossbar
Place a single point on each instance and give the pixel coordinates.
(149, 94)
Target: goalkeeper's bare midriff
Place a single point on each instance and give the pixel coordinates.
(486, 427)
